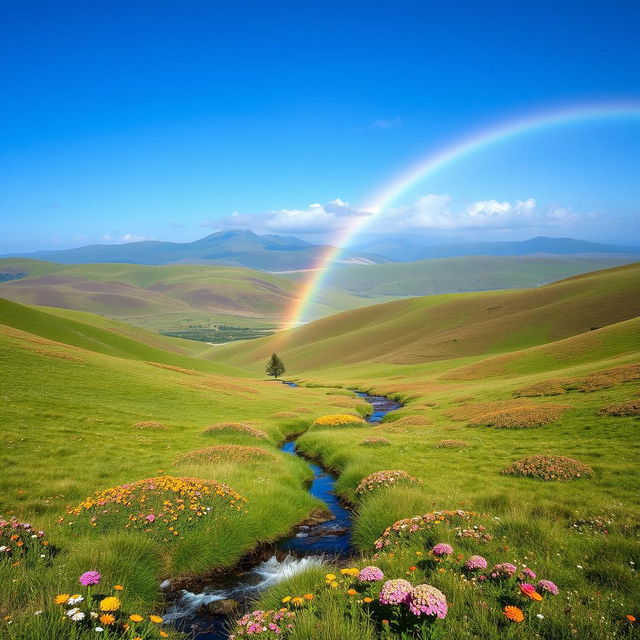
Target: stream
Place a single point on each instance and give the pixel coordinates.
(203, 612)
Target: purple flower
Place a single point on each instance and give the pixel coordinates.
(428, 600)
(442, 549)
(549, 587)
(395, 591)
(474, 563)
(89, 577)
(370, 574)
(529, 573)
(150, 517)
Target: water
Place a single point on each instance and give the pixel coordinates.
(310, 545)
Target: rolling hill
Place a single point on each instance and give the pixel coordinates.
(429, 329)
(467, 273)
(232, 248)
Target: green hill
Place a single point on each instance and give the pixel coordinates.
(469, 273)
(435, 328)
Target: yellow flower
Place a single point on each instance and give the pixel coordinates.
(110, 603)
(286, 599)
(136, 618)
(297, 600)
(333, 584)
(164, 634)
(107, 619)
(329, 577)
(156, 619)
(62, 598)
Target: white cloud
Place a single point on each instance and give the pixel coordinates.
(126, 237)
(386, 124)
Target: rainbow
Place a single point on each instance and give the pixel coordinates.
(460, 149)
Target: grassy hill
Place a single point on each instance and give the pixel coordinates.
(455, 326)
(469, 273)
(180, 298)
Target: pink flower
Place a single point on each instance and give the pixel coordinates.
(526, 587)
(442, 549)
(549, 587)
(370, 574)
(89, 578)
(395, 591)
(150, 517)
(428, 600)
(474, 563)
(529, 573)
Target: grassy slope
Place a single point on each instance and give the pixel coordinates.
(454, 326)
(469, 273)
(125, 290)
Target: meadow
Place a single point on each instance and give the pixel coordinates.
(487, 380)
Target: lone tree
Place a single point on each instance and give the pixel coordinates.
(275, 366)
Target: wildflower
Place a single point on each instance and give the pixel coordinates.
(330, 577)
(308, 596)
(539, 616)
(118, 587)
(297, 600)
(89, 578)
(164, 634)
(286, 599)
(156, 619)
(530, 591)
(503, 570)
(367, 600)
(442, 549)
(352, 592)
(78, 615)
(631, 618)
(107, 619)
(75, 599)
(38, 612)
(98, 629)
(62, 598)
(428, 600)
(110, 603)
(528, 573)
(370, 574)
(73, 611)
(412, 568)
(474, 563)
(387, 478)
(549, 587)
(136, 618)
(333, 584)
(513, 613)
(395, 591)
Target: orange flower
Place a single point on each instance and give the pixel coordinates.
(136, 618)
(62, 598)
(367, 600)
(107, 619)
(118, 587)
(352, 592)
(156, 619)
(164, 634)
(412, 568)
(631, 618)
(308, 596)
(513, 613)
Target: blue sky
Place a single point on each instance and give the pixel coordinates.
(161, 119)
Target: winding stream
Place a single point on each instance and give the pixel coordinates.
(310, 545)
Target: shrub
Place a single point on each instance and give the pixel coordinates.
(225, 453)
(628, 408)
(236, 427)
(452, 444)
(164, 506)
(151, 425)
(375, 442)
(522, 417)
(549, 467)
(338, 420)
(385, 478)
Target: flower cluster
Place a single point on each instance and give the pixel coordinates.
(548, 467)
(375, 442)
(629, 408)
(475, 563)
(19, 540)
(370, 574)
(395, 591)
(236, 427)
(105, 613)
(427, 600)
(520, 417)
(338, 420)
(384, 479)
(442, 549)
(225, 453)
(266, 624)
(404, 529)
(161, 506)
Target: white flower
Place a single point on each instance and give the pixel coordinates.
(539, 615)
(42, 555)
(75, 600)
(98, 629)
(579, 566)
(3, 547)
(78, 616)
(34, 536)
(73, 611)
(94, 615)
(38, 612)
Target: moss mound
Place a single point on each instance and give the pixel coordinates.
(523, 417)
(386, 478)
(375, 442)
(548, 467)
(236, 427)
(225, 453)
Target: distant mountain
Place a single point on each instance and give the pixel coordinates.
(231, 248)
(404, 250)
(401, 249)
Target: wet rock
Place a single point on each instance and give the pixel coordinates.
(226, 607)
(302, 534)
(332, 531)
(316, 517)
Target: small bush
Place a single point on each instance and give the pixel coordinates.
(548, 467)
(236, 427)
(338, 420)
(629, 408)
(375, 442)
(451, 444)
(225, 453)
(385, 478)
(150, 425)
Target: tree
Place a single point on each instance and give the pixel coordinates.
(275, 366)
